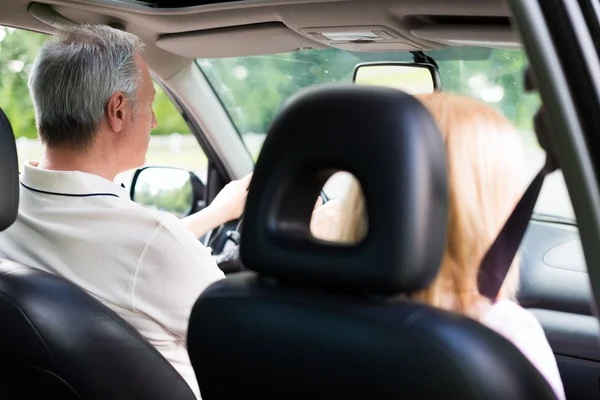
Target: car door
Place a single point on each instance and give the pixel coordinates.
(561, 258)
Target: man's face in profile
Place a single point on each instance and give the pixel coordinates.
(136, 128)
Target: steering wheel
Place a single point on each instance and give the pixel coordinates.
(226, 242)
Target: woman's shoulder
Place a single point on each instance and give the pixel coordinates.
(516, 324)
(524, 330)
(506, 314)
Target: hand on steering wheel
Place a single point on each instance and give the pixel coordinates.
(228, 260)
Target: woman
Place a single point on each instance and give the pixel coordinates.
(484, 160)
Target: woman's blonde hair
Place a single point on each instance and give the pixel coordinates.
(485, 171)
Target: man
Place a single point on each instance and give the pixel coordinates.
(93, 94)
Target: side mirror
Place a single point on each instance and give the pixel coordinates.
(412, 78)
(173, 190)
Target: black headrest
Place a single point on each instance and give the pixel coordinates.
(391, 144)
(9, 174)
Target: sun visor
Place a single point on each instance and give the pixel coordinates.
(238, 41)
(470, 35)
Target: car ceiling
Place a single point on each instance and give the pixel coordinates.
(174, 36)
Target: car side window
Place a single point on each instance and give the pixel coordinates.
(172, 143)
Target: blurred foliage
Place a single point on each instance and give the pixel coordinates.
(254, 88)
(18, 49)
(165, 189)
(176, 202)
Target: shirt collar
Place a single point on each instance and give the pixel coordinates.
(69, 183)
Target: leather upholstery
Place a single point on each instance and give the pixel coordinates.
(303, 326)
(56, 341)
(9, 174)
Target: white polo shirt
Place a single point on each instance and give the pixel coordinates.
(143, 264)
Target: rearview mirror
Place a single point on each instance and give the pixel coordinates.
(412, 78)
(173, 190)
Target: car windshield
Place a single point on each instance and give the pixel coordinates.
(252, 90)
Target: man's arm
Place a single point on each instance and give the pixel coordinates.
(205, 220)
(173, 270)
(227, 206)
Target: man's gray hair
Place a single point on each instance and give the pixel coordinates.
(74, 75)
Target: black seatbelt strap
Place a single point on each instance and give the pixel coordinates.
(499, 257)
(497, 261)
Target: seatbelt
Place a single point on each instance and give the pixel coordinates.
(499, 257)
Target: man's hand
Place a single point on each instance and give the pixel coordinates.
(227, 206)
(231, 200)
(325, 221)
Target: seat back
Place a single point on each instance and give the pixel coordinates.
(322, 321)
(56, 341)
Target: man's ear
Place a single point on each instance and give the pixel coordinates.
(116, 110)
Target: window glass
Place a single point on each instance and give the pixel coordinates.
(252, 89)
